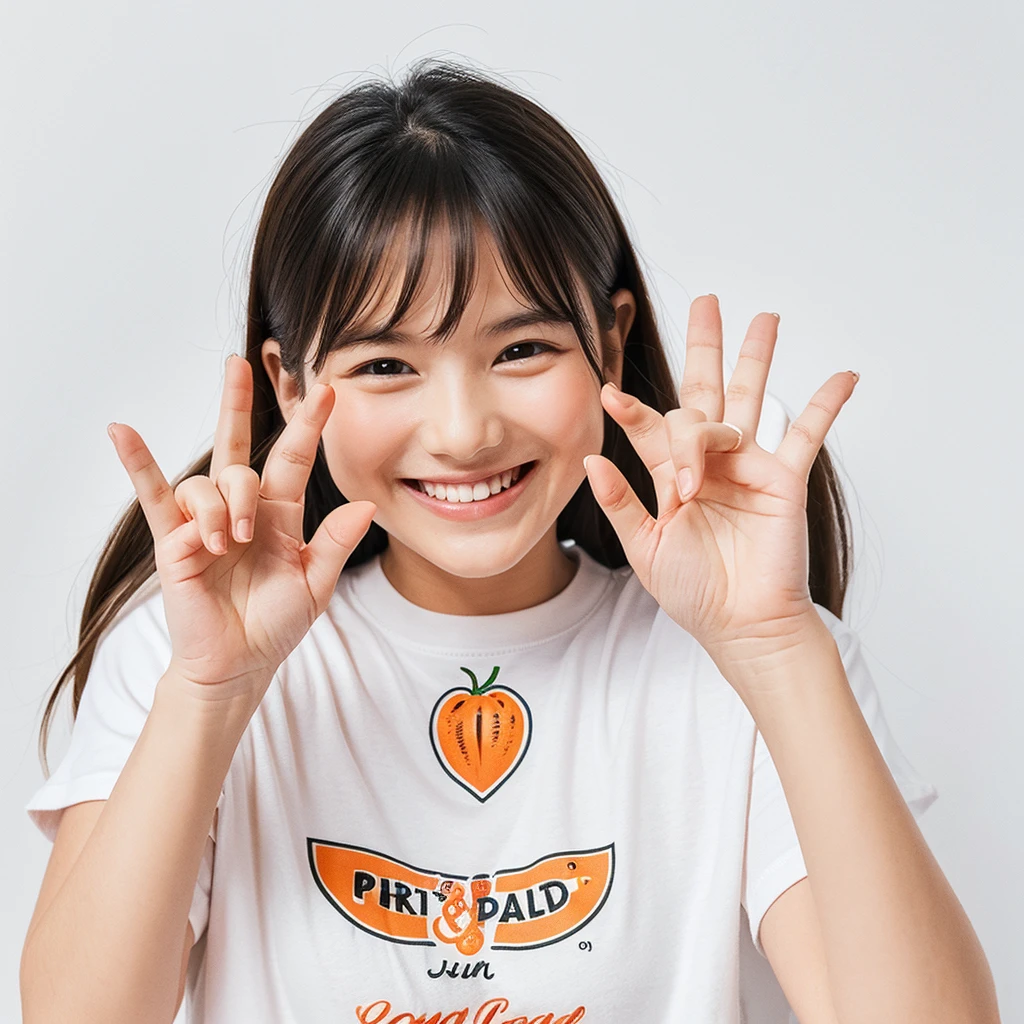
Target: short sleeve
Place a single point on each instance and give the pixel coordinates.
(129, 660)
(773, 861)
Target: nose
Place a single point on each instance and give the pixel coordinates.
(461, 418)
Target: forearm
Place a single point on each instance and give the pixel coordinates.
(108, 946)
(898, 944)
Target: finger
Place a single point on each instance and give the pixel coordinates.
(701, 387)
(154, 492)
(632, 523)
(689, 442)
(231, 443)
(745, 393)
(199, 498)
(332, 544)
(645, 429)
(291, 459)
(806, 434)
(240, 486)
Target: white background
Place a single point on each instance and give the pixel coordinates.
(855, 168)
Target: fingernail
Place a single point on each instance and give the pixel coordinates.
(612, 384)
(624, 398)
(244, 529)
(585, 457)
(110, 431)
(684, 480)
(776, 315)
(856, 375)
(217, 543)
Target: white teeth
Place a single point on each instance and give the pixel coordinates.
(464, 493)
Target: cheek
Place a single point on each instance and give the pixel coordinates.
(567, 413)
(356, 444)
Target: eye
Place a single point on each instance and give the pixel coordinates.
(387, 368)
(522, 347)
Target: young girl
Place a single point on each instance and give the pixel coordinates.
(581, 705)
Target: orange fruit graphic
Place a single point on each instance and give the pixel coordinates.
(480, 733)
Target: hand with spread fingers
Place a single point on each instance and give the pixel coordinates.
(240, 586)
(727, 556)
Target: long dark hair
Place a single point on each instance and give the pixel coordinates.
(445, 145)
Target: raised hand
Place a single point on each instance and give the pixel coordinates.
(240, 587)
(727, 556)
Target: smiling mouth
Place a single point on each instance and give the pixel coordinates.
(481, 490)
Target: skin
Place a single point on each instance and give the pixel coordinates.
(472, 405)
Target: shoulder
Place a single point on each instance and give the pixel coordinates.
(134, 648)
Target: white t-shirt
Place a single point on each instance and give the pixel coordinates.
(576, 839)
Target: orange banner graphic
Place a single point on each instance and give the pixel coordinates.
(516, 908)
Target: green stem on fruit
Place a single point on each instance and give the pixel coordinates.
(477, 689)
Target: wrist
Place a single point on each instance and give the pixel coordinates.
(200, 728)
(245, 690)
(767, 660)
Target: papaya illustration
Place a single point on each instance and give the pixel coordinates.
(480, 733)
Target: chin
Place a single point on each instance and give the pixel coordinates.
(474, 558)
(473, 562)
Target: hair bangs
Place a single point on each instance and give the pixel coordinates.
(545, 273)
(427, 202)
(437, 202)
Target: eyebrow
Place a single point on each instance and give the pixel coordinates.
(515, 322)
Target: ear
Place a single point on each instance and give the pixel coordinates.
(613, 341)
(286, 387)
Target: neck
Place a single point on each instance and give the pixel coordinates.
(537, 577)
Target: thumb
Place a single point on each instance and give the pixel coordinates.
(329, 548)
(632, 523)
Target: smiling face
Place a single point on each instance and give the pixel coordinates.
(426, 429)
